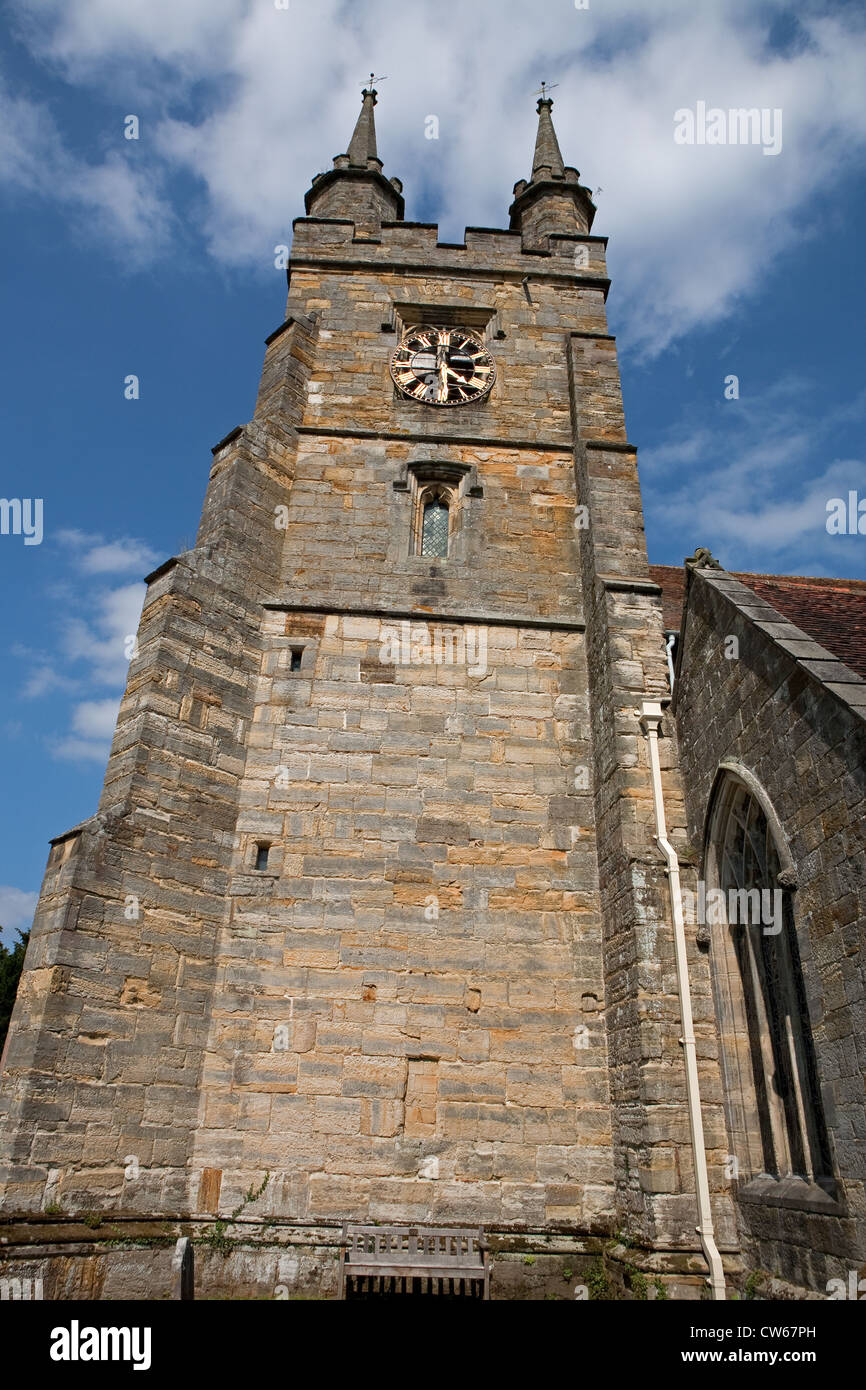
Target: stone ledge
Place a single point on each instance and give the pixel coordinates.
(228, 438)
(435, 269)
(793, 1193)
(162, 569)
(70, 834)
(623, 584)
(538, 446)
(428, 615)
(615, 446)
(271, 338)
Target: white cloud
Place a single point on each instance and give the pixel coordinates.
(77, 540)
(95, 555)
(99, 639)
(16, 912)
(251, 101)
(192, 34)
(110, 201)
(119, 557)
(766, 473)
(96, 647)
(95, 626)
(80, 750)
(95, 718)
(93, 724)
(43, 678)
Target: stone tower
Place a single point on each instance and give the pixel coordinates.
(370, 920)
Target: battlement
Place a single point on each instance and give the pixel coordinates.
(574, 256)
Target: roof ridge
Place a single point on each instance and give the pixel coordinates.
(802, 579)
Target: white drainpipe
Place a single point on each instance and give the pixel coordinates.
(650, 719)
(669, 646)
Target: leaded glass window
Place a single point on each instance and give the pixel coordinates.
(434, 528)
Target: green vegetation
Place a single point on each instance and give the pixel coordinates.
(137, 1242)
(11, 965)
(216, 1238)
(637, 1282)
(755, 1279)
(597, 1281)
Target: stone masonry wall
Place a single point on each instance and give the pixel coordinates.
(795, 718)
(406, 1020)
(626, 664)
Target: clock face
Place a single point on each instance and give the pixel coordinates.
(442, 366)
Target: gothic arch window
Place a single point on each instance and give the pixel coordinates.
(435, 522)
(772, 1096)
(439, 489)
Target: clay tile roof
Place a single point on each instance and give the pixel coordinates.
(831, 611)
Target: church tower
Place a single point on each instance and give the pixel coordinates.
(371, 924)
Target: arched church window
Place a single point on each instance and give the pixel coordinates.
(439, 489)
(435, 517)
(768, 1057)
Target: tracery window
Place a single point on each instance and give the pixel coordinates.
(768, 1056)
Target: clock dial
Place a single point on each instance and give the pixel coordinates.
(442, 366)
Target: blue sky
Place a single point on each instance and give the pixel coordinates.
(156, 257)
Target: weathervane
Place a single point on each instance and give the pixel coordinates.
(374, 80)
(544, 90)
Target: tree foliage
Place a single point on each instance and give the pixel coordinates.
(11, 965)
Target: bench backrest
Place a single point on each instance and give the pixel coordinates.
(413, 1246)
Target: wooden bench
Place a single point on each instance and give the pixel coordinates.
(413, 1252)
